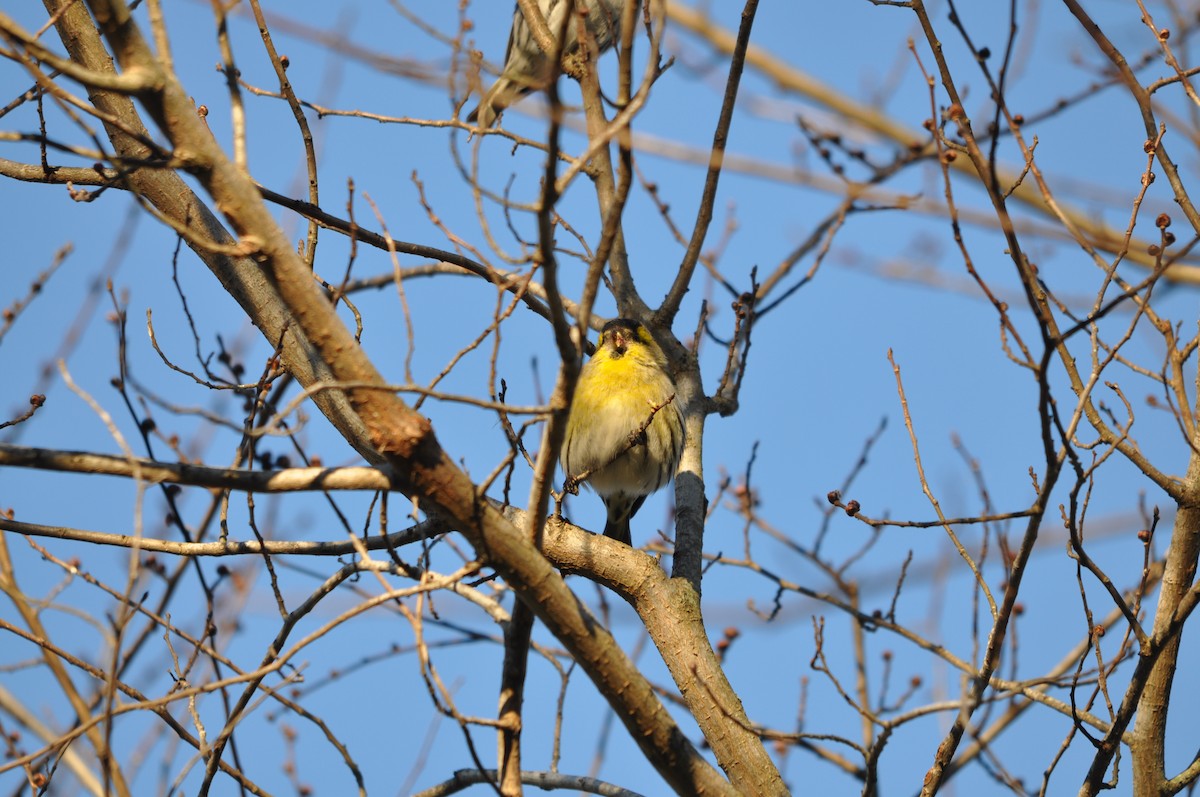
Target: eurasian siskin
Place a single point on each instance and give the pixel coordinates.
(625, 432)
(527, 68)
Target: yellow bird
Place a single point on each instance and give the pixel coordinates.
(625, 431)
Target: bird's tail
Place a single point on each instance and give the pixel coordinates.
(620, 509)
(618, 529)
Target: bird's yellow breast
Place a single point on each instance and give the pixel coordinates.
(616, 397)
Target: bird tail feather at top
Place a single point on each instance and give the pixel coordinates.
(503, 93)
(485, 113)
(527, 68)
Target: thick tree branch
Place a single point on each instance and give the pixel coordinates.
(404, 439)
(156, 472)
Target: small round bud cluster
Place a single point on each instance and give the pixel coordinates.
(723, 644)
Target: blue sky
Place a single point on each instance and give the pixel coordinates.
(818, 385)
